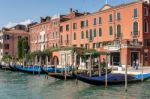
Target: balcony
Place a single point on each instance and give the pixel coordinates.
(135, 34)
(112, 47)
(118, 35)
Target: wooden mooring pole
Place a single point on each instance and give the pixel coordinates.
(126, 79)
(106, 76)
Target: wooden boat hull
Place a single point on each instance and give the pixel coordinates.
(32, 70)
(92, 81)
(61, 76)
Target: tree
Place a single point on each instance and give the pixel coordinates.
(19, 48)
(6, 58)
(22, 47)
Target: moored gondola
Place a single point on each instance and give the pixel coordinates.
(61, 76)
(29, 69)
(113, 79)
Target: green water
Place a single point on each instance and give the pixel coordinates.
(23, 86)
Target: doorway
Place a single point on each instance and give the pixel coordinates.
(115, 58)
(134, 57)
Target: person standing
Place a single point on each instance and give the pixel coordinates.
(137, 64)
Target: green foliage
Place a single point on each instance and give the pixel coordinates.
(7, 58)
(19, 48)
(22, 47)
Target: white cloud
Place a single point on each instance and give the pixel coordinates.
(25, 22)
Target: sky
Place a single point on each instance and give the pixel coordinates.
(24, 11)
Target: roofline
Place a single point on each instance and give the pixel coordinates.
(103, 11)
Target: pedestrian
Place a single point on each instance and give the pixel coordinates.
(134, 64)
(137, 64)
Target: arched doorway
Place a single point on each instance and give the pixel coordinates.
(55, 60)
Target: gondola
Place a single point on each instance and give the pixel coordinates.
(58, 72)
(61, 76)
(12, 68)
(53, 69)
(112, 79)
(29, 69)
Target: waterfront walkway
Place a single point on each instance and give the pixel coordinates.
(131, 70)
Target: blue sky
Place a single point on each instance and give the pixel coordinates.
(16, 11)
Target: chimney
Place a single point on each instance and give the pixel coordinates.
(71, 9)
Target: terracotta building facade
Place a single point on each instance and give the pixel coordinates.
(123, 31)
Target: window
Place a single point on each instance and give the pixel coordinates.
(146, 42)
(53, 35)
(86, 46)
(94, 21)
(94, 45)
(61, 28)
(146, 56)
(6, 46)
(82, 45)
(100, 20)
(119, 29)
(82, 35)
(87, 34)
(135, 42)
(87, 23)
(67, 38)
(61, 39)
(19, 37)
(6, 53)
(135, 28)
(110, 18)
(145, 11)
(118, 16)
(82, 24)
(74, 25)
(110, 30)
(91, 34)
(100, 32)
(74, 37)
(146, 27)
(135, 13)
(55, 24)
(67, 27)
(7, 37)
(94, 32)
(74, 45)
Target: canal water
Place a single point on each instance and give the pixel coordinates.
(23, 86)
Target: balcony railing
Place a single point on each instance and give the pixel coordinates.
(113, 47)
(118, 35)
(135, 34)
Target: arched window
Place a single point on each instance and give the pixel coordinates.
(135, 28)
(118, 29)
(146, 26)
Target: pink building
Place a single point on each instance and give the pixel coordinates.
(9, 40)
(45, 34)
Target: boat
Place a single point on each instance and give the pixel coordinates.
(61, 76)
(53, 69)
(29, 69)
(59, 73)
(112, 79)
(12, 68)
